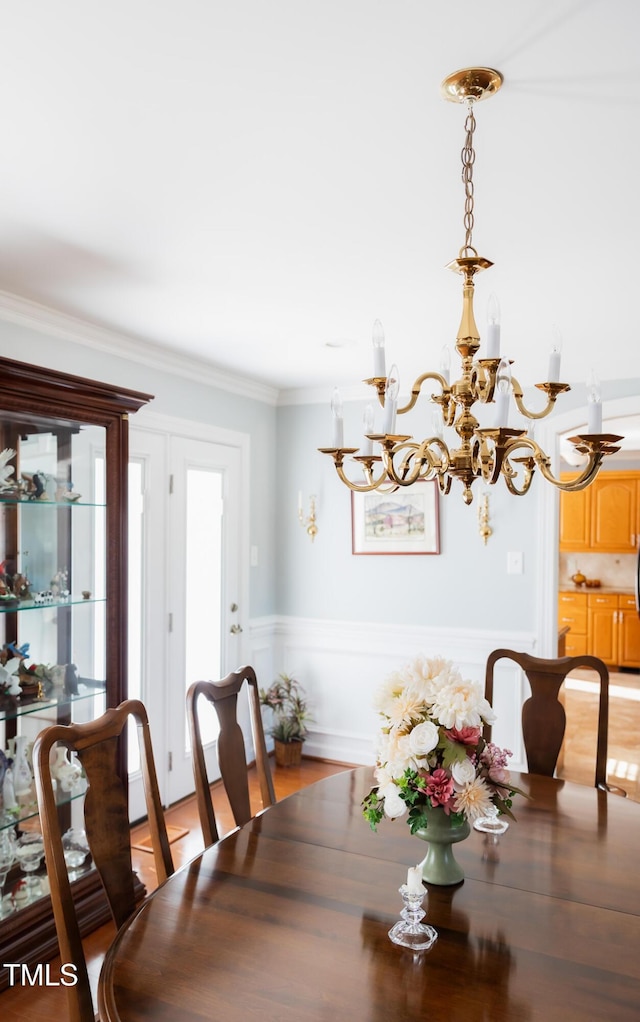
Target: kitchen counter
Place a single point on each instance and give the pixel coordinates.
(567, 587)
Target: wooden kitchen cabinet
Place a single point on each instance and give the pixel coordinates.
(575, 521)
(602, 630)
(603, 518)
(613, 515)
(572, 613)
(629, 629)
(613, 629)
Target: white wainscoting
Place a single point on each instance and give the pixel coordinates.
(342, 663)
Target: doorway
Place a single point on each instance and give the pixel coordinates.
(188, 590)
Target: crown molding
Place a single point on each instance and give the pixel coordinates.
(322, 395)
(35, 316)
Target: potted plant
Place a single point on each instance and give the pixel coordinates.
(285, 697)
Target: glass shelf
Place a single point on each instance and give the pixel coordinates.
(11, 818)
(17, 502)
(18, 606)
(30, 704)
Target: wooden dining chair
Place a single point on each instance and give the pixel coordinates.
(107, 828)
(223, 695)
(543, 715)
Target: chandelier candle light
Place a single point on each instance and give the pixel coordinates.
(483, 453)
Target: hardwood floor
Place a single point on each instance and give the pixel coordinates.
(41, 1004)
(581, 705)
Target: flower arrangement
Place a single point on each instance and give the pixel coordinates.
(431, 751)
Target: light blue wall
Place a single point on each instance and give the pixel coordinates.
(187, 399)
(467, 585)
(467, 582)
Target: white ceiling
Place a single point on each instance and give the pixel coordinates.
(255, 181)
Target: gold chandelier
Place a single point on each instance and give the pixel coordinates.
(483, 453)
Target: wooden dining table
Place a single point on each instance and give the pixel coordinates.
(288, 919)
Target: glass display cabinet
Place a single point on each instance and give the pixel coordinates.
(63, 620)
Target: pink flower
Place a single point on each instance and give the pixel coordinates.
(494, 760)
(464, 735)
(440, 788)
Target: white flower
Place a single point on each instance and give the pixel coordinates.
(463, 773)
(426, 676)
(399, 755)
(388, 692)
(394, 805)
(423, 738)
(405, 708)
(462, 704)
(382, 776)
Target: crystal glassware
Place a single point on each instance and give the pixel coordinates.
(410, 931)
(76, 849)
(29, 853)
(7, 859)
(492, 823)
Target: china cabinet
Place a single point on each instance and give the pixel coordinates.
(63, 615)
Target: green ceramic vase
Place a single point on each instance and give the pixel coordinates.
(439, 865)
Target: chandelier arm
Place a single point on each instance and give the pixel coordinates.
(406, 475)
(511, 474)
(444, 482)
(338, 455)
(581, 481)
(485, 463)
(551, 389)
(427, 464)
(485, 379)
(374, 484)
(415, 390)
(542, 461)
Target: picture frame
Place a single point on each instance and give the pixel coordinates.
(404, 522)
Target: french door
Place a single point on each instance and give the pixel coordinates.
(188, 593)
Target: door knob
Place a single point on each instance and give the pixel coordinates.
(235, 629)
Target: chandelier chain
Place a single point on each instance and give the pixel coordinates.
(468, 158)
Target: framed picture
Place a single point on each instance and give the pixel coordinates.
(404, 522)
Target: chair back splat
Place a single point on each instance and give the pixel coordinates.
(543, 715)
(106, 820)
(223, 695)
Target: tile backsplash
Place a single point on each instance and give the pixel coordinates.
(611, 569)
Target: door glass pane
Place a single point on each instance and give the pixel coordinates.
(203, 611)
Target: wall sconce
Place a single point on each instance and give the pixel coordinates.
(310, 521)
(484, 528)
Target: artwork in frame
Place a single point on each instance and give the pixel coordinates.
(404, 522)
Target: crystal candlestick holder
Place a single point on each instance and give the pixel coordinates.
(410, 931)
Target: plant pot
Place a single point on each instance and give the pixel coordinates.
(288, 753)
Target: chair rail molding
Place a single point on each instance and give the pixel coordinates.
(342, 663)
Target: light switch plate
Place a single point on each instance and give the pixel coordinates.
(515, 560)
